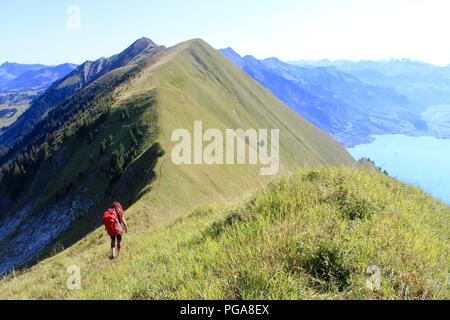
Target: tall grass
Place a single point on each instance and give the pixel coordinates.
(312, 234)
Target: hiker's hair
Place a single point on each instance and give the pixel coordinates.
(116, 205)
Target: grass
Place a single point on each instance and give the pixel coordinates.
(292, 239)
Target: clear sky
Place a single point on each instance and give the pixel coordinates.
(33, 31)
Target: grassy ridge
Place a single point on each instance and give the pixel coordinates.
(194, 82)
(188, 82)
(308, 235)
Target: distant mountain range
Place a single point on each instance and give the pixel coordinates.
(424, 84)
(10, 71)
(20, 84)
(26, 77)
(355, 100)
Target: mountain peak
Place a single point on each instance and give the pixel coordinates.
(143, 43)
(140, 48)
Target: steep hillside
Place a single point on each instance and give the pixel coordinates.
(333, 100)
(316, 234)
(111, 140)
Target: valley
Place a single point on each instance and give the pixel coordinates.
(13, 104)
(10, 113)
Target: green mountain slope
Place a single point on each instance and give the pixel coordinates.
(107, 142)
(314, 234)
(222, 97)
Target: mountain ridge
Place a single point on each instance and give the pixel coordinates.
(94, 146)
(213, 232)
(81, 77)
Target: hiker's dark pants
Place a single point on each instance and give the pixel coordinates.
(117, 237)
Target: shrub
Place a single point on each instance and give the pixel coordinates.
(327, 267)
(357, 208)
(350, 204)
(323, 262)
(312, 176)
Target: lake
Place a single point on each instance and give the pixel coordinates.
(420, 161)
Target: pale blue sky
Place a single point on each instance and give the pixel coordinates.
(33, 31)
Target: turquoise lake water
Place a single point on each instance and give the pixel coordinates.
(420, 161)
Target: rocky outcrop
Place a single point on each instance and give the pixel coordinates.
(24, 235)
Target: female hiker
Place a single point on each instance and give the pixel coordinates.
(114, 222)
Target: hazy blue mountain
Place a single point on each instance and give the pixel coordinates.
(38, 79)
(20, 84)
(386, 67)
(10, 71)
(423, 83)
(338, 102)
(426, 86)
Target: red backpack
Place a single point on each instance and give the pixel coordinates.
(111, 222)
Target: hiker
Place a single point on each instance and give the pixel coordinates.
(114, 222)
